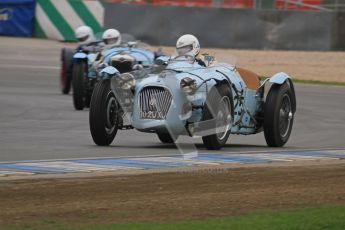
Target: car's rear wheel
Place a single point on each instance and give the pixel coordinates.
(219, 107)
(278, 115)
(104, 114)
(79, 71)
(66, 67)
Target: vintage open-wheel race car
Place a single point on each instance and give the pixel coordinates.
(179, 97)
(86, 68)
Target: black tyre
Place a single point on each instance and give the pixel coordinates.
(278, 115)
(79, 71)
(104, 114)
(165, 138)
(87, 100)
(219, 107)
(66, 70)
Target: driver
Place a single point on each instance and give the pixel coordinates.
(84, 35)
(111, 38)
(86, 39)
(189, 45)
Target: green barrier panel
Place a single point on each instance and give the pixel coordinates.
(57, 19)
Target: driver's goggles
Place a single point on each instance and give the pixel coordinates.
(82, 39)
(184, 49)
(109, 41)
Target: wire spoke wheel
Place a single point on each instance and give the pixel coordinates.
(219, 107)
(111, 111)
(279, 115)
(104, 114)
(285, 116)
(223, 120)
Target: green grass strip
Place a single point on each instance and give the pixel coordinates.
(321, 218)
(38, 31)
(57, 19)
(84, 13)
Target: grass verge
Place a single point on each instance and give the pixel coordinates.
(327, 217)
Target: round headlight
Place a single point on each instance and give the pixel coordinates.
(188, 85)
(127, 81)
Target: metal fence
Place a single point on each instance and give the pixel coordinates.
(334, 5)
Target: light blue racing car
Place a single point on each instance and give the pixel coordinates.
(179, 97)
(86, 68)
(67, 61)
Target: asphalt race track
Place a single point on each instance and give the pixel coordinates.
(37, 122)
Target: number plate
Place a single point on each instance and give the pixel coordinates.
(156, 115)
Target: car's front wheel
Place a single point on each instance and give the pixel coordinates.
(104, 114)
(79, 71)
(219, 108)
(278, 115)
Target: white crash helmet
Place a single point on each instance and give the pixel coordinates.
(187, 45)
(84, 34)
(111, 37)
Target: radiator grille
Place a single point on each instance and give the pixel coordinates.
(154, 103)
